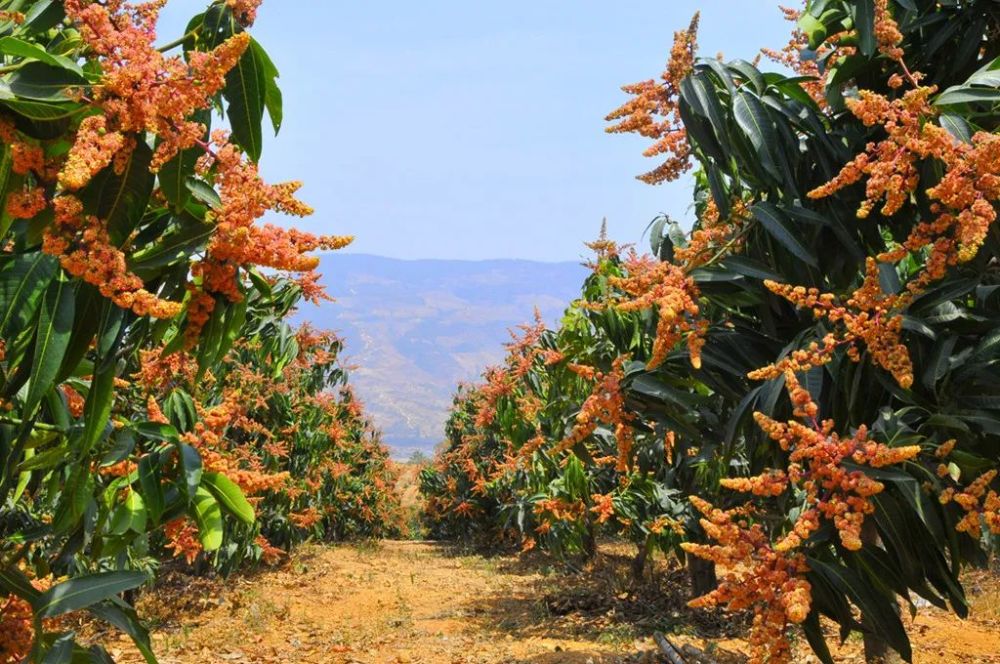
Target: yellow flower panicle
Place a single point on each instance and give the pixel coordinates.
(980, 502)
(667, 289)
(145, 93)
(887, 34)
(753, 575)
(654, 111)
(605, 405)
(962, 201)
(869, 316)
(767, 576)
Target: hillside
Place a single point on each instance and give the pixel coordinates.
(417, 328)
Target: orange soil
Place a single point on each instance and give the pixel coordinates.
(420, 602)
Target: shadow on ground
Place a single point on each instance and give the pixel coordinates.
(598, 603)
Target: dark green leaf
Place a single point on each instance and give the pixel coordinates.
(41, 82)
(204, 192)
(54, 327)
(97, 408)
(24, 279)
(121, 199)
(864, 21)
(775, 223)
(125, 619)
(191, 468)
(817, 641)
(753, 120)
(245, 92)
(149, 482)
(84, 591)
(879, 613)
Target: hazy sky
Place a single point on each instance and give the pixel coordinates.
(447, 129)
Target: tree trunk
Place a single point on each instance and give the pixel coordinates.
(877, 650)
(589, 542)
(703, 579)
(639, 562)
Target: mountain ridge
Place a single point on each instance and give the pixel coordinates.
(416, 328)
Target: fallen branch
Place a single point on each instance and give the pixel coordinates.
(668, 649)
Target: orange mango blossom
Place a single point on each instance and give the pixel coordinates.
(143, 92)
(768, 576)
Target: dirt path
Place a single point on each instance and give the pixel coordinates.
(418, 602)
(399, 602)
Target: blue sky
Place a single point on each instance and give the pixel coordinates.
(446, 129)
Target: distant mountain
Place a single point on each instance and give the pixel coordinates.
(415, 329)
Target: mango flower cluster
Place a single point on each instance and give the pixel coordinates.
(769, 576)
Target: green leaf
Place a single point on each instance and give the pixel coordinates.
(813, 28)
(204, 192)
(230, 496)
(958, 95)
(210, 343)
(97, 408)
(61, 651)
(77, 492)
(14, 582)
(174, 174)
(957, 126)
(245, 93)
(864, 21)
(914, 324)
(86, 320)
(23, 478)
(54, 326)
(81, 592)
(814, 635)
(8, 183)
(157, 431)
(125, 619)
(100, 397)
(190, 235)
(272, 93)
(749, 73)
(208, 517)
(121, 199)
(41, 82)
(20, 48)
(753, 120)
(217, 25)
(749, 267)
(173, 178)
(152, 489)
(700, 93)
(23, 281)
(191, 468)
(44, 14)
(236, 317)
(879, 613)
(42, 111)
(130, 515)
(48, 459)
(775, 223)
(180, 410)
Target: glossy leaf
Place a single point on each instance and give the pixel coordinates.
(54, 326)
(206, 513)
(84, 591)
